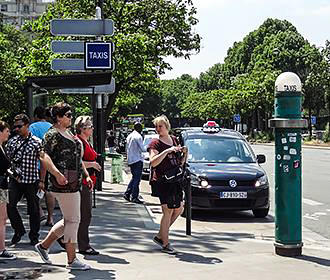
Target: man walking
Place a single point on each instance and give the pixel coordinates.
(24, 151)
(135, 162)
(39, 129)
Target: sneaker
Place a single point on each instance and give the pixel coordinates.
(5, 255)
(78, 265)
(137, 201)
(16, 238)
(158, 241)
(127, 197)
(90, 251)
(168, 249)
(43, 253)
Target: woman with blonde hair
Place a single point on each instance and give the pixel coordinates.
(166, 154)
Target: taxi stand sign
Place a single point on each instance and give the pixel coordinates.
(98, 55)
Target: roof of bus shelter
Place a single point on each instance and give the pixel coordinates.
(76, 80)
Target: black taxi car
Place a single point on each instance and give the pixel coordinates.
(225, 173)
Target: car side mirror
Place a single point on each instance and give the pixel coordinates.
(261, 158)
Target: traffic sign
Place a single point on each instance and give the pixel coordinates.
(77, 47)
(84, 27)
(313, 120)
(98, 55)
(68, 64)
(237, 118)
(99, 89)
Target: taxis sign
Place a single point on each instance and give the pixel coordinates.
(98, 55)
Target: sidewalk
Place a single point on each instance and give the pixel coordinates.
(123, 233)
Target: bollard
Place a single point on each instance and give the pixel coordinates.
(288, 123)
(116, 168)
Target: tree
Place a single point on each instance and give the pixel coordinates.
(13, 45)
(146, 32)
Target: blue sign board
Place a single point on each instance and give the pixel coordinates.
(313, 120)
(237, 118)
(98, 55)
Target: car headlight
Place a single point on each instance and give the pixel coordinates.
(204, 184)
(263, 180)
(198, 182)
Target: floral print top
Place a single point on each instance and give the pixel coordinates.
(65, 152)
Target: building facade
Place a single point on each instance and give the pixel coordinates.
(16, 12)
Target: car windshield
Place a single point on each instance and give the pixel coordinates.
(218, 149)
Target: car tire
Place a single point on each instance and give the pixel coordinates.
(260, 213)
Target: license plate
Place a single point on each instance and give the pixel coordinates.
(233, 194)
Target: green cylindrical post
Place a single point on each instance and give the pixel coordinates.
(288, 123)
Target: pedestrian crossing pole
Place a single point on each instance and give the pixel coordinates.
(288, 123)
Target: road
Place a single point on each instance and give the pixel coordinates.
(315, 185)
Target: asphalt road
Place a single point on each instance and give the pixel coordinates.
(315, 186)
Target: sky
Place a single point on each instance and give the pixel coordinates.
(223, 22)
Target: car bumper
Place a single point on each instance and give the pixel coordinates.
(210, 199)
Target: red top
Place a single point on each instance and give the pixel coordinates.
(89, 155)
(168, 162)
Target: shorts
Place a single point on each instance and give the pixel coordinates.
(169, 194)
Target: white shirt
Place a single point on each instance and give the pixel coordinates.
(134, 147)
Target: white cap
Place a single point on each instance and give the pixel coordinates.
(288, 81)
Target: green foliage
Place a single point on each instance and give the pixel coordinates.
(250, 69)
(146, 32)
(326, 135)
(13, 45)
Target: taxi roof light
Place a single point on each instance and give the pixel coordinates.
(211, 127)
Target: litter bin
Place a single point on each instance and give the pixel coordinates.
(116, 167)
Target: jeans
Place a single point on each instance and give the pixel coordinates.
(133, 186)
(16, 191)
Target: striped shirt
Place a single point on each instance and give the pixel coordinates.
(26, 158)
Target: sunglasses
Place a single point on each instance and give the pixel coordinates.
(68, 114)
(88, 126)
(19, 126)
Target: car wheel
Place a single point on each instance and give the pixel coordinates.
(260, 213)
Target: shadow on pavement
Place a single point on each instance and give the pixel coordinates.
(194, 258)
(29, 271)
(320, 261)
(101, 258)
(93, 274)
(229, 217)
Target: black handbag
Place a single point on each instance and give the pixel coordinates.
(174, 175)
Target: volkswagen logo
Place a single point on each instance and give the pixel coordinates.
(232, 184)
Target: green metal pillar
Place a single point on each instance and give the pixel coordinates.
(288, 123)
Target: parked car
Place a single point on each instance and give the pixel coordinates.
(225, 173)
(146, 162)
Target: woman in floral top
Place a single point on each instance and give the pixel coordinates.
(65, 150)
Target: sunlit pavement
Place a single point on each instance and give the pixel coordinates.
(226, 246)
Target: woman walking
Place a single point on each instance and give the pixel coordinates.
(65, 151)
(84, 129)
(164, 157)
(5, 163)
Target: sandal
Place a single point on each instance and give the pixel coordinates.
(90, 251)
